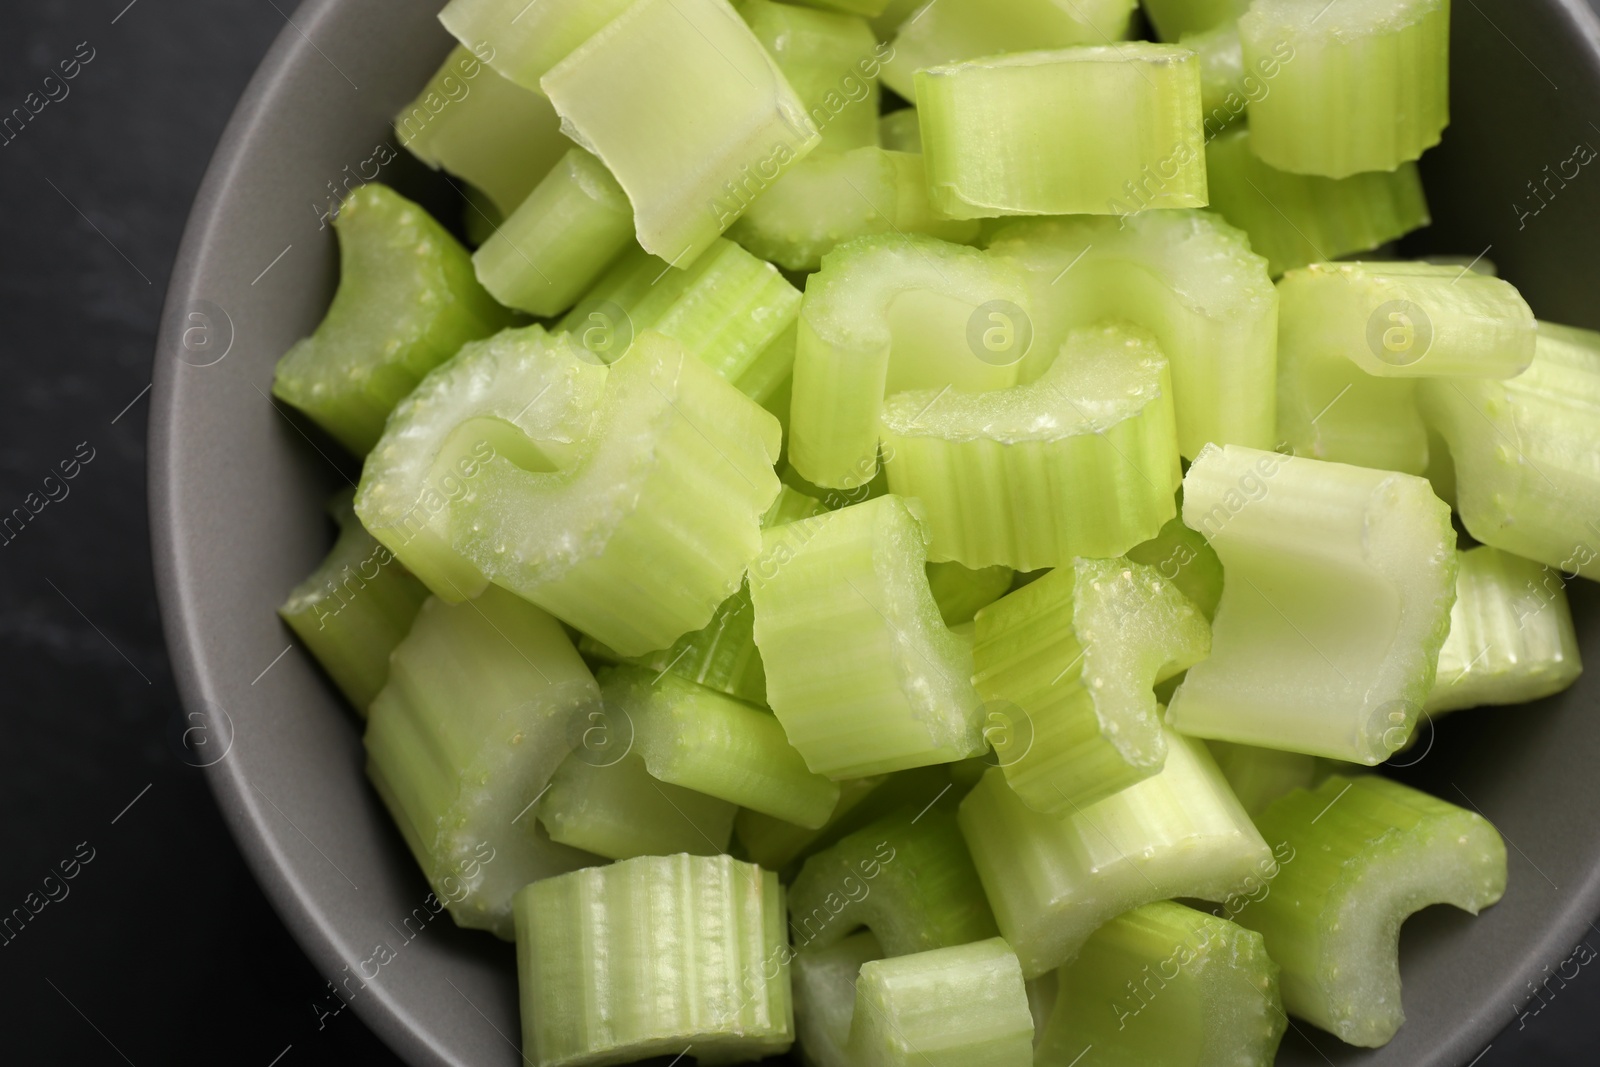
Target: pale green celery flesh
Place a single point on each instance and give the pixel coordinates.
(1258, 776)
(899, 131)
(1331, 409)
(1340, 581)
(1067, 664)
(407, 300)
(1106, 130)
(849, 589)
(825, 998)
(1173, 19)
(1082, 462)
(615, 808)
(688, 111)
(1527, 452)
(1053, 881)
(524, 40)
(1167, 986)
(721, 656)
(1187, 277)
(483, 702)
(1367, 88)
(1182, 556)
(1511, 637)
(649, 956)
(1221, 76)
(1364, 854)
(831, 60)
(961, 591)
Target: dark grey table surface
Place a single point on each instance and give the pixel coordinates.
(161, 949)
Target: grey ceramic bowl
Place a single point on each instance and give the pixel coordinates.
(237, 489)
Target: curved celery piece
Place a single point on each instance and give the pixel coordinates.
(1167, 986)
(830, 60)
(1527, 452)
(825, 998)
(1187, 277)
(1368, 87)
(1182, 556)
(651, 955)
(1331, 409)
(1106, 130)
(901, 131)
(1073, 657)
(681, 102)
(1174, 19)
(884, 315)
(1368, 853)
(907, 878)
(779, 846)
(1082, 462)
(721, 656)
(1258, 776)
(483, 702)
(961, 592)
(524, 40)
(1053, 881)
(619, 810)
(1298, 219)
(849, 589)
(1511, 637)
(407, 300)
(1339, 585)
(953, 1007)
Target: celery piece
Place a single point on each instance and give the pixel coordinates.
(1367, 853)
(868, 8)
(1339, 585)
(960, 591)
(826, 57)
(681, 102)
(1082, 462)
(1167, 986)
(1187, 277)
(895, 13)
(1331, 409)
(407, 300)
(1182, 556)
(1052, 881)
(775, 843)
(619, 810)
(1221, 77)
(1073, 657)
(1366, 87)
(1173, 19)
(825, 998)
(888, 314)
(952, 1007)
(901, 131)
(354, 609)
(1531, 484)
(565, 234)
(1106, 130)
(483, 702)
(1258, 776)
(651, 955)
(524, 39)
(721, 656)
(1511, 638)
(1298, 219)
(791, 506)
(849, 589)
(907, 878)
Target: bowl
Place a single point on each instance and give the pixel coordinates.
(237, 486)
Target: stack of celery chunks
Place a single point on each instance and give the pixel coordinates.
(910, 533)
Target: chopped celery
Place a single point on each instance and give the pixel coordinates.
(952, 1007)
(1173, 19)
(1339, 586)
(1187, 277)
(1182, 556)
(407, 300)
(900, 131)
(1331, 409)
(1367, 87)
(1073, 657)
(1053, 881)
(830, 59)
(779, 845)
(1511, 638)
(869, 8)
(1102, 129)
(1531, 485)
(645, 957)
(791, 506)
(1222, 77)
(483, 702)
(1258, 776)
(525, 38)
(681, 102)
(825, 998)
(1082, 462)
(907, 878)
(1367, 853)
(619, 810)
(960, 591)
(849, 589)
(721, 656)
(895, 13)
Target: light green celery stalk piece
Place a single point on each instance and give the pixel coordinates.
(354, 609)
(1331, 409)
(1527, 452)
(407, 300)
(1107, 130)
(1340, 581)
(791, 506)
(901, 131)
(483, 702)
(1297, 219)
(1222, 80)
(1367, 88)
(681, 102)
(1367, 854)
(1082, 462)
(830, 59)
(961, 591)
(482, 128)
(614, 807)
(721, 656)
(1511, 637)
(1187, 277)
(524, 40)
(849, 589)
(1174, 19)
(1182, 556)
(825, 998)
(888, 314)
(652, 955)
(1167, 986)
(1259, 776)
(1069, 662)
